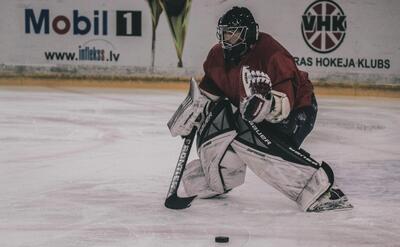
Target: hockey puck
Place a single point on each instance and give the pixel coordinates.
(222, 239)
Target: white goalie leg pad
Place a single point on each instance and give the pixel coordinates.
(302, 184)
(194, 181)
(211, 153)
(232, 170)
(217, 171)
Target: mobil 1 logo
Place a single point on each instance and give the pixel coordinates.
(323, 26)
(46, 21)
(129, 23)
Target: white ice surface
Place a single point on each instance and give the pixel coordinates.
(84, 167)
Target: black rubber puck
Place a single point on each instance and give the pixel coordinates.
(221, 239)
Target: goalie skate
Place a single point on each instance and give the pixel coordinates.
(334, 199)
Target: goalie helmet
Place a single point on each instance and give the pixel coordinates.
(236, 31)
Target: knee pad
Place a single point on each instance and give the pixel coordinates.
(219, 120)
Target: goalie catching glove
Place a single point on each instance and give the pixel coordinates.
(190, 113)
(261, 102)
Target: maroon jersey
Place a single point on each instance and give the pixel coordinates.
(266, 55)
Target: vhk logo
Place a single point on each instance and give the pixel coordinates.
(323, 26)
(128, 23)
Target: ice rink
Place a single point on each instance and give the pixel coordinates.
(91, 167)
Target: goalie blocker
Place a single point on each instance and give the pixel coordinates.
(227, 144)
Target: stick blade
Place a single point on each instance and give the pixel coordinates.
(175, 202)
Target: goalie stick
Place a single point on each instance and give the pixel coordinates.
(173, 201)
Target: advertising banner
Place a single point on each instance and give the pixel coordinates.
(338, 40)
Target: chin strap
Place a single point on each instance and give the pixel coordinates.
(233, 55)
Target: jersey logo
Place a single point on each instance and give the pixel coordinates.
(255, 81)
